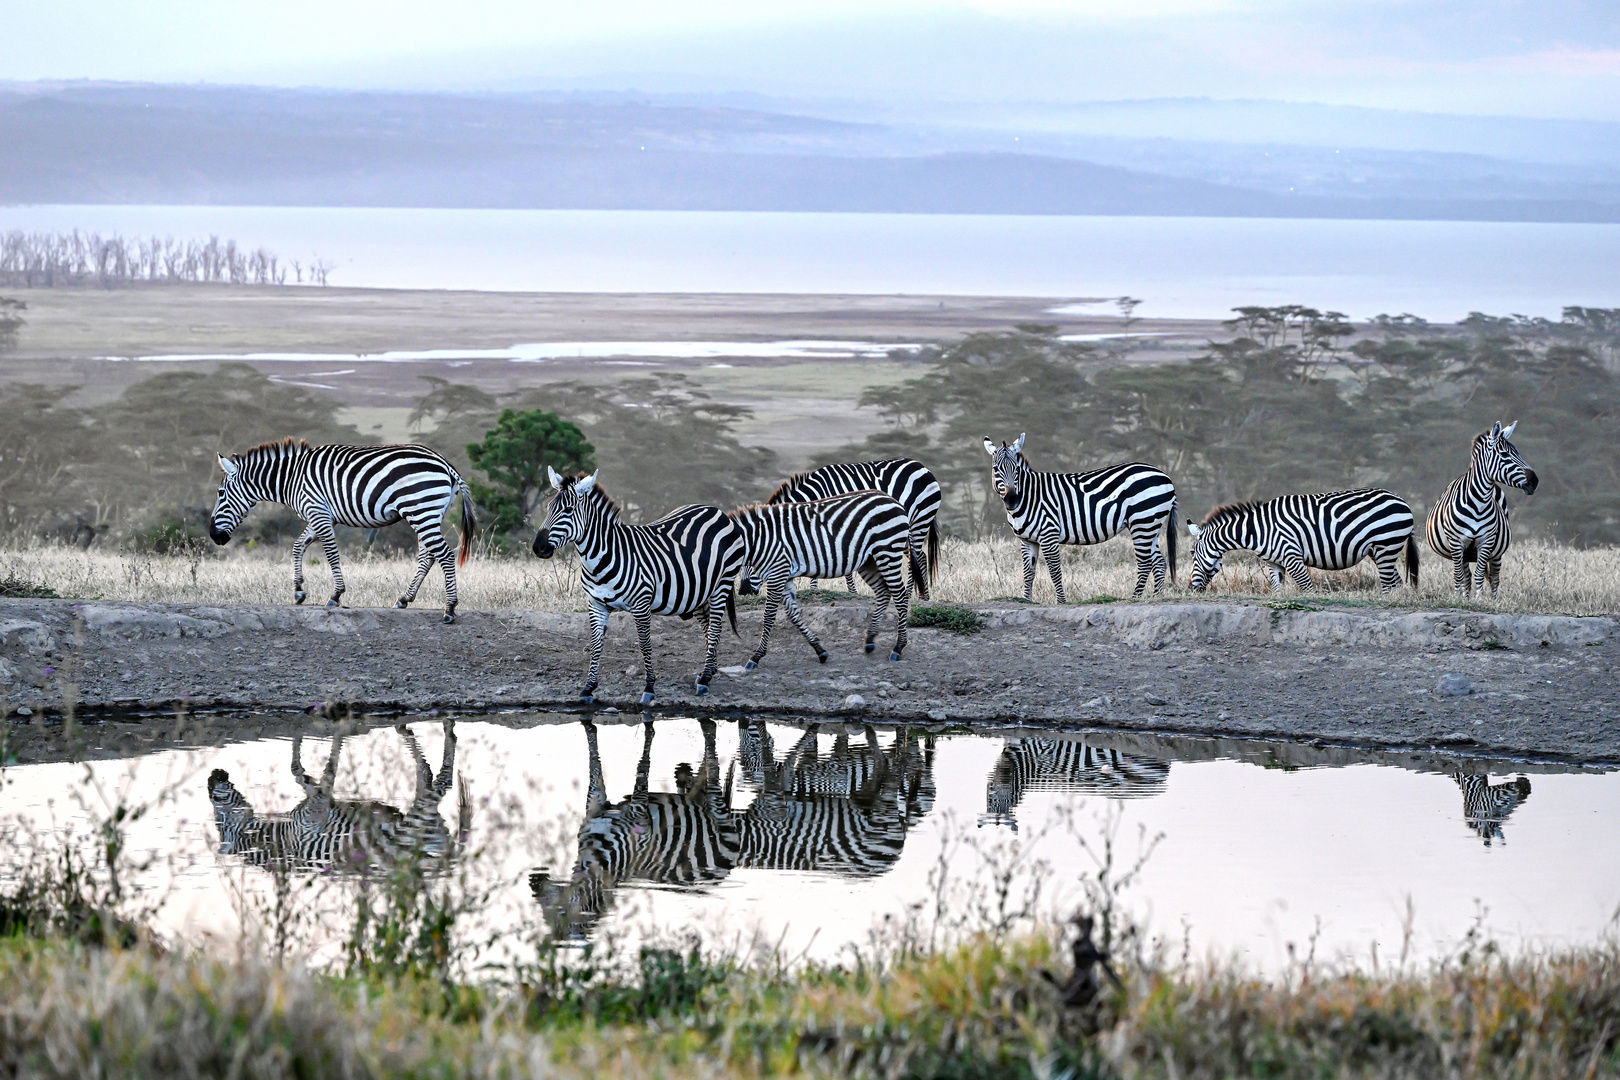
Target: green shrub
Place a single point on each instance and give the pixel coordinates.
(18, 588)
(958, 620)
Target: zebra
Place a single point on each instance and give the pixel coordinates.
(1469, 522)
(686, 839)
(362, 486)
(908, 482)
(1330, 531)
(685, 563)
(1065, 765)
(347, 837)
(866, 532)
(1486, 806)
(1046, 509)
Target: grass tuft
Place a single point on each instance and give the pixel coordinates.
(958, 620)
(22, 589)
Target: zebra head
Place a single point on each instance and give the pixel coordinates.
(1206, 557)
(232, 813)
(564, 523)
(1500, 461)
(1007, 467)
(233, 502)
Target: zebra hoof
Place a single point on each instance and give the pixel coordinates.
(646, 697)
(298, 597)
(332, 603)
(894, 656)
(702, 689)
(871, 647)
(822, 657)
(449, 617)
(750, 666)
(401, 603)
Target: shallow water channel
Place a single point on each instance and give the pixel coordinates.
(813, 839)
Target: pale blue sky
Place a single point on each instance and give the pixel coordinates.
(1548, 58)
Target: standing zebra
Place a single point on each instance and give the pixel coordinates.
(907, 482)
(1331, 531)
(1065, 765)
(1486, 806)
(866, 533)
(685, 838)
(1469, 522)
(326, 834)
(685, 563)
(1046, 509)
(361, 486)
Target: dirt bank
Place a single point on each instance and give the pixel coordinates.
(1519, 685)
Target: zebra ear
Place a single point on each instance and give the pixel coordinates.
(1496, 431)
(1018, 447)
(556, 480)
(585, 485)
(227, 466)
(1193, 529)
(1507, 432)
(989, 447)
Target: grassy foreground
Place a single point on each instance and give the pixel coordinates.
(980, 1009)
(1536, 577)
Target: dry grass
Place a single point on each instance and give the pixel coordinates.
(1537, 577)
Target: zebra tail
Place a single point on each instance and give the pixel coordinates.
(464, 808)
(916, 570)
(933, 551)
(1412, 559)
(469, 524)
(1170, 539)
(731, 609)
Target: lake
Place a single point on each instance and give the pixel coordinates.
(1181, 267)
(815, 839)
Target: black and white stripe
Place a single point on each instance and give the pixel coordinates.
(684, 839)
(866, 533)
(1047, 509)
(1469, 522)
(1331, 531)
(907, 482)
(348, 837)
(1487, 806)
(1065, 765)
(685, 563)
(360, 486)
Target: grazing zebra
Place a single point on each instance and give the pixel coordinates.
(362, 486)
(1486, 806)
(866, 533)
(1469, 522)
(687, 838)
(907, 482)
(1331, 531)
(1046, 509)
(1065, 765)
(685, 563)
(326, 834)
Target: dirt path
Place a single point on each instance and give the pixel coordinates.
(1539, 687)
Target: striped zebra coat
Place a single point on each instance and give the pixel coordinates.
(1047, 509)
(1331, 531)
(866, 533)
(1487, 806)
(365, 487)
(685, 563)
(907, 482)
(1065, 765)
(1468, 524)
(329, 835)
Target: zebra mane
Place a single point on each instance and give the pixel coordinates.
(784, 488)
(612, 503)
(276, 448)
(1230, 510)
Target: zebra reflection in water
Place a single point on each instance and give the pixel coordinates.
(1486, 806)
(1065, 765)
(326, 834)
(844, 813)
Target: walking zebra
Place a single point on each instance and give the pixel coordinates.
(907, 482)
(1065, 765)
(685, 838)
(1486, 806)
(685, 563)
(1046, 509)
(1469, 522)
(1331, 531)
(323, 833)
(361, 486)
(866, 533)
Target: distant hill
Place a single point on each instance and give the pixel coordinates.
(109, 143)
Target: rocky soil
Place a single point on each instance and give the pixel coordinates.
(1532, 687)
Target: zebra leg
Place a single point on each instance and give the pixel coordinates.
(447, 559)
(424, 563)
(874, 577)
(1301, 575)
(898, 590)
(1054, 565)
(298, 563)
(1460, 572)
(599, 622)
(718, 605)
(644, 635)
(1493, 574)
(1481, 573)
(1148, 561)
(1275, 573)
(774, 588)
(849, 581)
(1029, 571)
(792, 602)
(919, 564)
(1389, 567)
(328, 540)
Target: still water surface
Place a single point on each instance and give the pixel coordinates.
(810, 838)
(1181, 267)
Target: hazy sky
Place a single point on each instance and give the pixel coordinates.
(1521, 57)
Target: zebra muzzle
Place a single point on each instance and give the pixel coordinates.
(218, 536)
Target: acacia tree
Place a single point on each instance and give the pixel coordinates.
(516, 454)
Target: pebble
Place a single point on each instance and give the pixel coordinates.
(1453, 684)
(936, 714)
(854, 701)
(1154, 699)
(25, 711)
